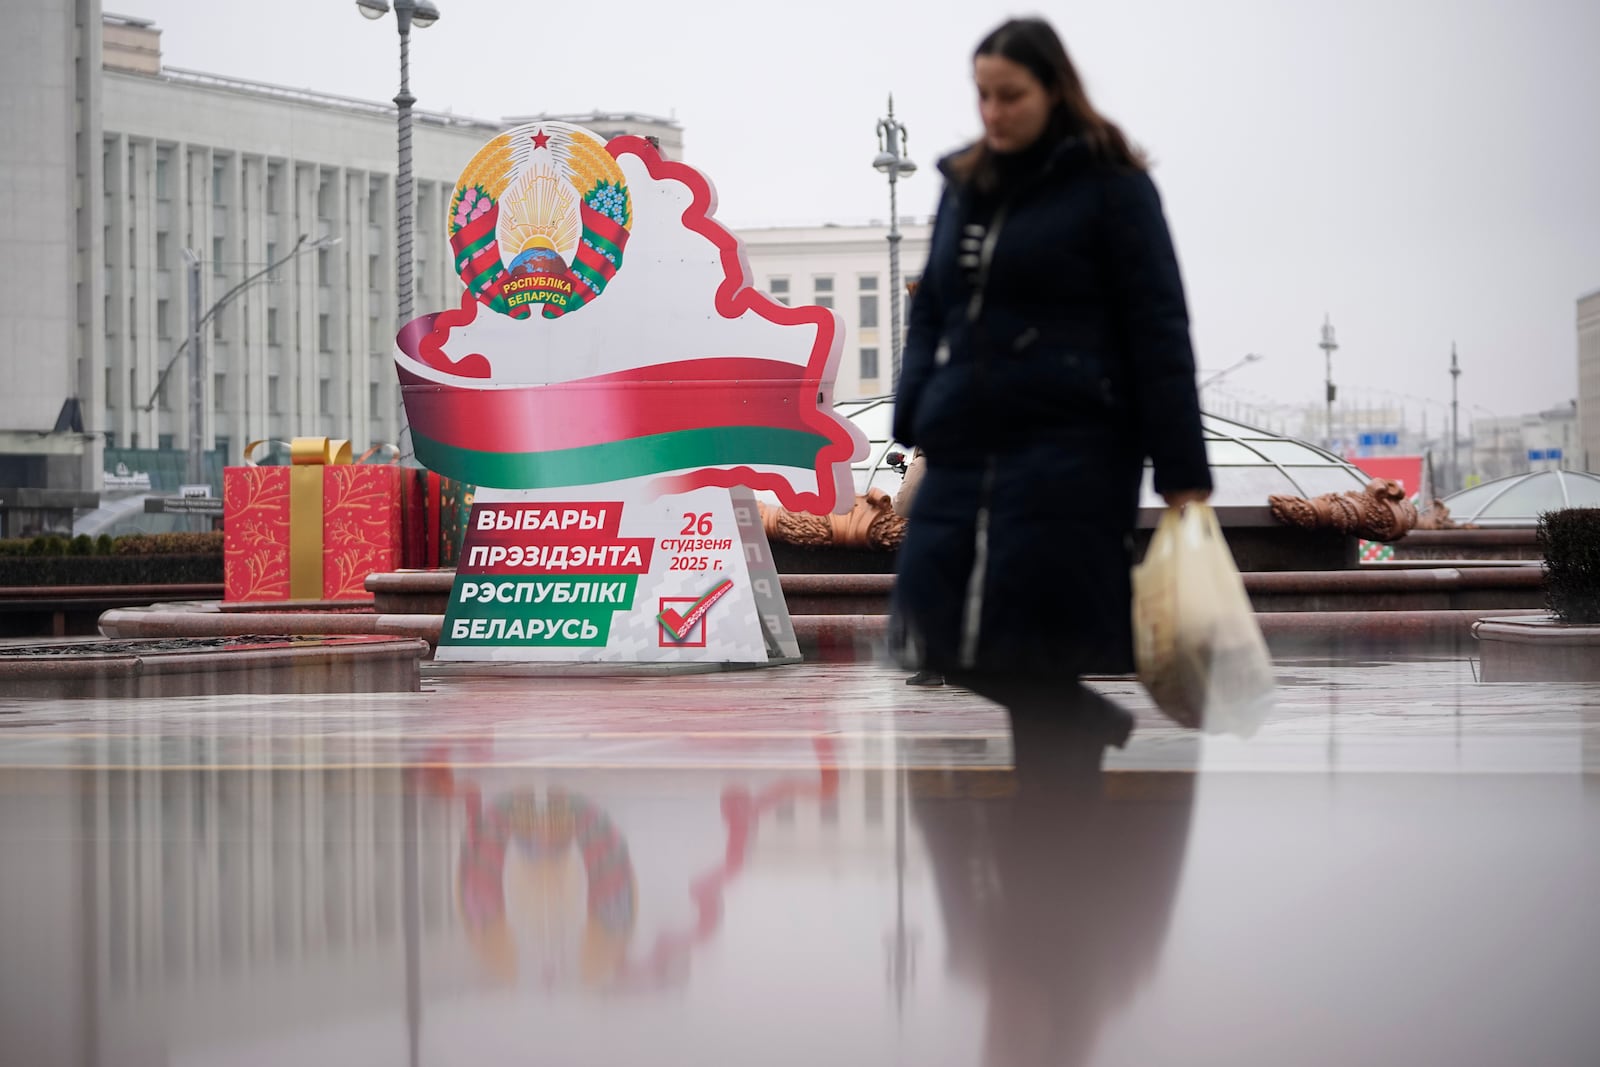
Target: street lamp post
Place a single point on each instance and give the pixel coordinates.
(194, 343)
(892, 161)
(1455, 413)
(197, 372)
(1329, 346)
(407, 13)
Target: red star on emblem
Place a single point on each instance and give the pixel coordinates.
(541, 139)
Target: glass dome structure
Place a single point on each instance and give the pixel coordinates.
(1247, 464)
(1519, 500)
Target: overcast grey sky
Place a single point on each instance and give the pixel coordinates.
(1421, 170)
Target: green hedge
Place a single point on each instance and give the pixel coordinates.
(1570, 540)
(108, 570)
(135, 559)
(169, 544)
(163, 544)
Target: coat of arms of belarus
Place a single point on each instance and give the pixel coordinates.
(607, 334)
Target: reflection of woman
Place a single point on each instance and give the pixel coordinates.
(1057, 897)
(1048, 355)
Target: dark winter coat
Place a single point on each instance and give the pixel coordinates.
(1036, 385)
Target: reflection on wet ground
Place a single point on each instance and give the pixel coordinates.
(800, 865)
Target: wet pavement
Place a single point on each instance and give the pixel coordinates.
(800, 865)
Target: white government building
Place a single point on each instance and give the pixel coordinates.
(94, 269)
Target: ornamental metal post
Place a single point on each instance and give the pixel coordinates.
(1455, 415)
(423, 14)
(1329, 346)
(891, 161)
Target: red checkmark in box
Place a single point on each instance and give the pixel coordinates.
(680, 626)
(674, 607)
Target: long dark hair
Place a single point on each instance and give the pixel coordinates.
(1033, 44)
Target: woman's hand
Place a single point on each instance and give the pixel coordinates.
(1186, 496)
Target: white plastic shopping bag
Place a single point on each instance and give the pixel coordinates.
(1196, 643)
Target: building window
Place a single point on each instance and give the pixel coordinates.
(822, 289)
(869, 311)
(164, 441)
(374, 270)
(163, 329)
(272, 326)
(376, 342)
(324, 333)
(272, 257)
(163, 192)
(218, 173)
(163, 250)
(219, 388)
(325, 396)
(272, 394)
(109, 398)
(324, 266)
(779, 288)
(133, 385)
(869, 364)
(272, 190)
(372, 397)
(216, 256)
(869, 283)
(216, 326)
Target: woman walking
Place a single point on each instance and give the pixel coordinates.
(1048, 355)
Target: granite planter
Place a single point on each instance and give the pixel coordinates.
(1538, 648)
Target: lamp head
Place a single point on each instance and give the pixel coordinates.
(424, 14)
(372, 9)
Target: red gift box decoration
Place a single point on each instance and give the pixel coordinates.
(311, 531)
(436, 510)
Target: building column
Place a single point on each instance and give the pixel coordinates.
(380, 302)
(298, 390)
(357, 342)
(334, 365)
(254, 302)
(144, 361)
(119, 409)
(199, 228)
(90, 370)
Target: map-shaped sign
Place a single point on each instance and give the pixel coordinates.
(608, 335)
